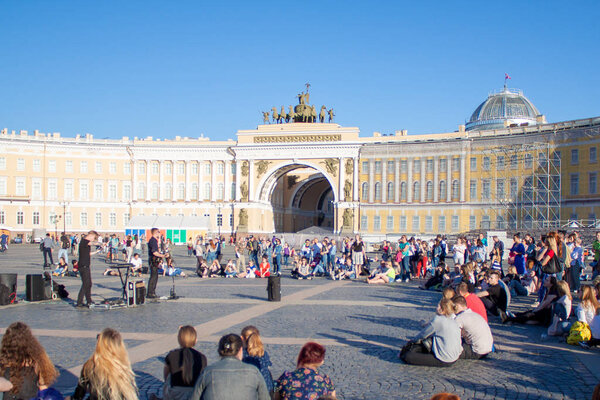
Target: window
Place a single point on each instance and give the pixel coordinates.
(402, 224)
(514, 188)
(472, 222)
(2, 164)
(68, 218)
(20, 164)
(98, 219)
(377, 167)
(98, 167)
(194, 193)
(233, 190)
(442, 190)
(20, 186)
(155, 168)
(364, 222)
(403, 191)
(112, 192)
(390, 191)
(455, 190)
(112, 219)
(69, 166)
(486, 190)
(207, 191)
(513, 161)
(593, 155)
(37, 165)
(528, 161)
(36, 218)
(69, 190)
(52, 166)
(83, 219)
(207, 169)
(154, 194)
(417, 166)
(36, 189)
(112, 168)
(574, 184)
(593, 183)
(230, 219)
(389, 225)
(500, 189)
(429, 191)
(194, 169)
(141, 168)
(542, 160)
(3, 185)
(168, 194)
(416, 191)
(574, 156)
(127, 169)
(473, 190)
(443, 164)
(416, 224)
(365, 192)
(220, 191)
(52, 189)
(428, 223)
(485, 222)
(20, 218)
(181, 168)
(429, 166)
(455, 164)
(390, 167)
(365, 167)
(168, 168)
(98, 191)
(181, 191)
(377, 191)
(377, 223)
(500, 163)
(485, 165)
(141, 190)
(126, 218)
(455, 223)
(473, 164)
(442, 223)
(83, 190)
(403, 166)
(83, 167)
(126, 191)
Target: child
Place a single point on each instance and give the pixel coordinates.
(250, 271)
(136, 265)
(255, 354)
(230, 270)
(215, 269)
(265, 268)
(304, 269)
(62, 268)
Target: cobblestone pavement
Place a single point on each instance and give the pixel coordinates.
(363, 328)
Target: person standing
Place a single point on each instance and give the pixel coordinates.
(64, 247)
(85, 254)
(154, 259)
(518, 251)
(47, 245)
(358, 255)
(596, 249)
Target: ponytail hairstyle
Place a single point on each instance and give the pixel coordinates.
(230, 345)
(187, 339)
(254, 346)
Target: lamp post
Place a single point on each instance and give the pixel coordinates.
(64, 216)
(219, 220)
(55, 219)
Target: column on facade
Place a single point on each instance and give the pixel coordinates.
(251, 180)
(134, 189)
(371, 181)
(384, 173)
(341, 181)
(462, 178)
(148, 179)
(409, 180)
(436, 186)
(397, 180)
(449, 180)
(423, 179)
(226, 174)
(161, 180)
(188, 189)
(213, 188)
(199, 178)
(238, 178)
(355, 179)
(174, 194)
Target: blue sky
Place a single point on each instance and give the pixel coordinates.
(167, 68)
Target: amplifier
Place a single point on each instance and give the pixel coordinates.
(37, 288)
(136, 293)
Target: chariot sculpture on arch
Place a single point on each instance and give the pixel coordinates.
(303, 112)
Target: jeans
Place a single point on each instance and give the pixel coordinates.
(63, 253)
(405, 268)
(86, 285)
(418, 354)
(276, 264)
(517, 289)
(153, 280)
(285, 260)
(48, 253)
(575, 276)
(318, 269)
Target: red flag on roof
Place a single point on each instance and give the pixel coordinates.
(506, 76)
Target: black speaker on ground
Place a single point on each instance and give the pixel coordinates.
(37, 288)
(274, 288)
(8, 289)
(136, 293)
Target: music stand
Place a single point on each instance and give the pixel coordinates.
(124, 279)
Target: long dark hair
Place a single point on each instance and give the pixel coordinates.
(187, 339)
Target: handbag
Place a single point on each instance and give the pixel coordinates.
(553, 266)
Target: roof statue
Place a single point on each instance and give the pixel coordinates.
(303, 112)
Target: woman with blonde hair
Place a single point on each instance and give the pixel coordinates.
(586, 310)
(255, 354)
(24, 362)
(561, 310)
(107, 375)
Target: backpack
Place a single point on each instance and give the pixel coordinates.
(42, 245)
(580, 332)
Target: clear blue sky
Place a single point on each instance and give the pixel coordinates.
(167, 68)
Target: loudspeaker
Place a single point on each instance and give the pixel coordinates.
(35, 288)
(274, 288)
(136, 293)
(8, 289)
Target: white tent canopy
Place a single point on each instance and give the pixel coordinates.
(147, 222)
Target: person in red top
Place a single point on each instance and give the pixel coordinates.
(473, 302)
(264, 268)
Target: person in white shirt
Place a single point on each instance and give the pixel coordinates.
(136, 264)
(475, 331)
(586, 310)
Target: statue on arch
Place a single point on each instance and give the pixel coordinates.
(262, 166)
(265, 117)
(275, 115)
(244, 191)
(245, 168)
(313, 114)
(331, 166)
(243, 217)
(282, 115)
(347, 218)
(349, 167)
(347, 190)
(290, 115)
(322, 114)
(331, 114)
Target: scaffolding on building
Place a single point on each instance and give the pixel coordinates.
(532, 173)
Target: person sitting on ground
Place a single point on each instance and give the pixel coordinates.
(474, 303)
(439, 343)
(174, 271)
(230, 269)
(230, 378)
(542, 314)
(182, 367)
(295, 264)
(385, 274)
(435, 282)
(255, 354)
(494, 298)
(346, 270)
(107, 374)
(136, 265)
(250, 272)
(448, 293)
(475, 331)
(586, 310)
(202, 270)
(74, 269)
(526, 285)
(561, 311)
(595, 329)
(25, 363)
(62, 269)
(305, 382)
(264, 268)
(215, 269)
(304, 269)
(111, 272)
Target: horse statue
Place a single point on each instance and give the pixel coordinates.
(265, 117)
(322, 114)
(313, 114)
(300, 97)
(331, 115)
(275, 115)
(282, 115)
(290, 115)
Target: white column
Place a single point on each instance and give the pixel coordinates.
(397, 180)
(238, 178)
(199, 177)
(174, 164)
(341, 182)
(226, 173)
(371, 181)
(436, 185)
(161, 180)
(251, 180)
(355, 187)
(213, 188)
(148, 180)
(409, 181)
(188, 189)
(462, 178)
(384, 173)
(134, 189)
(423, 179)
(449, 180)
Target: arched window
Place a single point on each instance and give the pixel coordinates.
(390, 191)
(416, 191)
(365, 192)
(403, 191)
(429, 191)
(220, 191)
(455, 189)
(194, 191)
(207, 190)
(377, 191)
(442, 190)
(168, 191)
(141, 190)
(181, 191)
